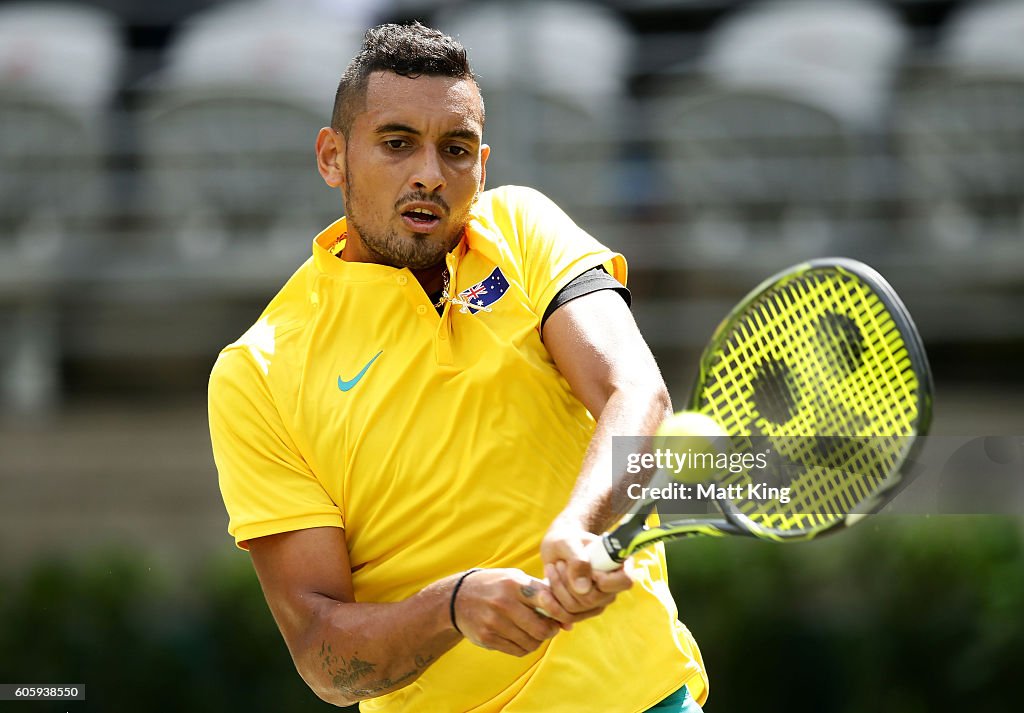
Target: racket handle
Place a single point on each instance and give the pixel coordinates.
(599, 552)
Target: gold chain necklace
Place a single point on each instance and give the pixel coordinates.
(444, 290)
(455, 300)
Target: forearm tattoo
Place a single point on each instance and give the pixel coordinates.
(349, 676)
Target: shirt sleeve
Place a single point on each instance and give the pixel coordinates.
(267, 486)
(554, 249)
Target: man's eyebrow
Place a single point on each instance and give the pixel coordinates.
(467, 134)
(395, 129)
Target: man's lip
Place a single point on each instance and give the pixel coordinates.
(434, 208)
(415, 226)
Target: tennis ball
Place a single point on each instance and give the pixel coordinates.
(697, 444)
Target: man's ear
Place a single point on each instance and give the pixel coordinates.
(485, 151)
(330, 156)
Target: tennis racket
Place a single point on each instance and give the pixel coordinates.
(820, 366)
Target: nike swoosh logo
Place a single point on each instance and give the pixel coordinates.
(349, 385)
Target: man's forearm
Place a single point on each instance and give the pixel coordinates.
(625, 413)
(355, 650)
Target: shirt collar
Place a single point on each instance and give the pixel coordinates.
(327, 247)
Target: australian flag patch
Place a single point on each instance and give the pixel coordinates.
(483, 294)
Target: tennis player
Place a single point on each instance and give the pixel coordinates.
(414, 439)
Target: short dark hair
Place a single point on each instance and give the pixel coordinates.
(410, 50)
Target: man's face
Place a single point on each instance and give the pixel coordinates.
(413, 165)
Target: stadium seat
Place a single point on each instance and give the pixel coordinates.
(770, 138)
(961, 135)
(59, 70)
(754, 171)
(838, 55)
(985, 37)
(354, 13)
(228, 132)
(553, 76)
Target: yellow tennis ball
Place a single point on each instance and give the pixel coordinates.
(697, 446)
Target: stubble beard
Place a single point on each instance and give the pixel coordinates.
(391, 248)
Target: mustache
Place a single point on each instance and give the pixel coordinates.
(422, 196)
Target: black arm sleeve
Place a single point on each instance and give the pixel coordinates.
(590, 281)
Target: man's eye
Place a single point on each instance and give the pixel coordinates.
(396, 143)
(458, 151)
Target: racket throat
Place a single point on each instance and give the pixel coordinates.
(616, 543)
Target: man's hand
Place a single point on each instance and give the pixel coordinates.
(580, 589)
(497, 609)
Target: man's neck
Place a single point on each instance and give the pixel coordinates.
(430, 278)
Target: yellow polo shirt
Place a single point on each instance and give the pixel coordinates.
(440, 443)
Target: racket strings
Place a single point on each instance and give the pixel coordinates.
(817, 368)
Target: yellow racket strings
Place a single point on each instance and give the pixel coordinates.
(818, 367)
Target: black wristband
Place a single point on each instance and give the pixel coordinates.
(455, 593)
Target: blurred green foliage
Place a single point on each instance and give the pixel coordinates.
(899, 615)
(138, 639)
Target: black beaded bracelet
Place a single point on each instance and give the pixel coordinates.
(455, 593)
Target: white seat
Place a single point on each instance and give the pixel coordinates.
(68, 54)
(768, 149)
(986, 38)
(962, 143)
(262, 44)
(553, 76)
(566, 47)
(961, 135)
(753, 170)
(356, 13)
(59, 71)
(229, 131)
(840, 55)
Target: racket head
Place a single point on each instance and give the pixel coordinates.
(822, 365)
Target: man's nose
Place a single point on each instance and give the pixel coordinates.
(429, 174)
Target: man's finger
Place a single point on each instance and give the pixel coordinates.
(591, 603)
(545, 604)
(579, 573)
(526, 617)
(563, 591)
(613, 582)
